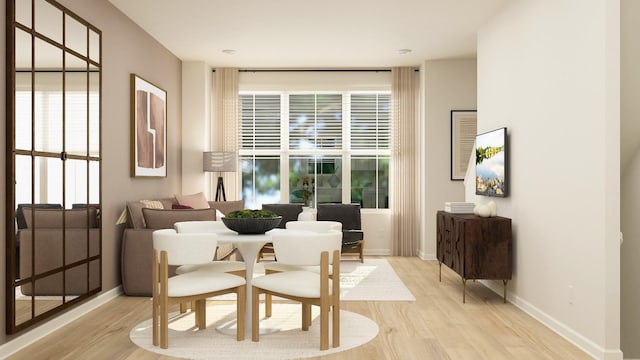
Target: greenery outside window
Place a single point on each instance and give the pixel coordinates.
(331, 147)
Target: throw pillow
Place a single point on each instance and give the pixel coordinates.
(196, 201)
(164, 219)
(181, 207)
(134, 210)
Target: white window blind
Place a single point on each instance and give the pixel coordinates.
(260, 121)
(370, 121)
(315, 121)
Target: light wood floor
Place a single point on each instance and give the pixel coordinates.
(436, 326)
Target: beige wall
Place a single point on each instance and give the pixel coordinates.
(549, 73)
(126, 49)
(448, 85)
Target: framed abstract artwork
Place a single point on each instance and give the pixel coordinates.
(463, 135)
(148, 129)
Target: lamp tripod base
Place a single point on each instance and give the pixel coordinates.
(220, 190)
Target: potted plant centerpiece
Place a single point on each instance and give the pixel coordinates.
(249, 221)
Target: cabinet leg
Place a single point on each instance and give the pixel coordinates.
(504, 295)
(440, 274)
(464, 290)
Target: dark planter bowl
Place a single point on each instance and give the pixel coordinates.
(251, 226)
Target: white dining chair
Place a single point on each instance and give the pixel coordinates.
(278, 266)
(208, 227)
(172, 248)
(307, 287)
(226, 266)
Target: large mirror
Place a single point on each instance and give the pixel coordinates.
(53, 161)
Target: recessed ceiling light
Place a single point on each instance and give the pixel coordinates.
(403, 51)
(229, 51)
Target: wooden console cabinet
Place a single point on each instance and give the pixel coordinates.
(475, 247)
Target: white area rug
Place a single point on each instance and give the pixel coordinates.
(289, 343)
(373, 280)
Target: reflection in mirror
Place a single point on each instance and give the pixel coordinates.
(94, 46)
(23, 110)
(94, 112)
(23, 51)
(48, 111)
(76, 185)
(76, 107)
(94, 182)
(23, 12)
(76, 38)
(55, 162)
(48, 20)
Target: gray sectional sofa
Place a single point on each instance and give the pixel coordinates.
(48, 239)
(137, 243)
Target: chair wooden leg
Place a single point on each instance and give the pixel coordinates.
(306, 316)
(268, 304)
(324, 327)
(255, 314)
(156, 336)
(240, 310)
(335, 331)
(164, 324)
(361, 251)
(201, 314)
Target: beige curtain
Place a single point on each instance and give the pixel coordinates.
(225, 134)
(405, 166)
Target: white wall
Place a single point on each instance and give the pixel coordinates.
(548, 71)
(630, 157)
(448, 85)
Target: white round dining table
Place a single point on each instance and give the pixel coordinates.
(249, 246)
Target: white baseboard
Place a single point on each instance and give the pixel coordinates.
(377, 252)
(56, 323)
(588, 346)
(426, 256)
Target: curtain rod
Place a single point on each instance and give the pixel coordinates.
(317, 70)
(314, 70)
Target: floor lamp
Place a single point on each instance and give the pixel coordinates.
(219, 161)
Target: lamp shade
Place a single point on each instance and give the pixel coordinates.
(219, 161)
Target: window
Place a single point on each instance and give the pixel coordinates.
(329, 147)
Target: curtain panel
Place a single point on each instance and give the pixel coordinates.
(226, 111)
(405, 209)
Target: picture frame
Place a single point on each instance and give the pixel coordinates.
(463, 136)
(148, 129)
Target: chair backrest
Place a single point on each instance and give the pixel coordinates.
(200, 227)
(315, 226)
(185, 248)
(347, 214)
(293, 247)
(289, 212)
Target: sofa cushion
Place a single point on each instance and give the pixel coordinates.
(181, 207)
(196, 201)
(52, 218)
(164, 219)
(226, 207)
(135, 219)
(20, 220)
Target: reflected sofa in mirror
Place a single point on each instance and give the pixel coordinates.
(54, 242)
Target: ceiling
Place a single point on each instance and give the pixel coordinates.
(313, 34)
